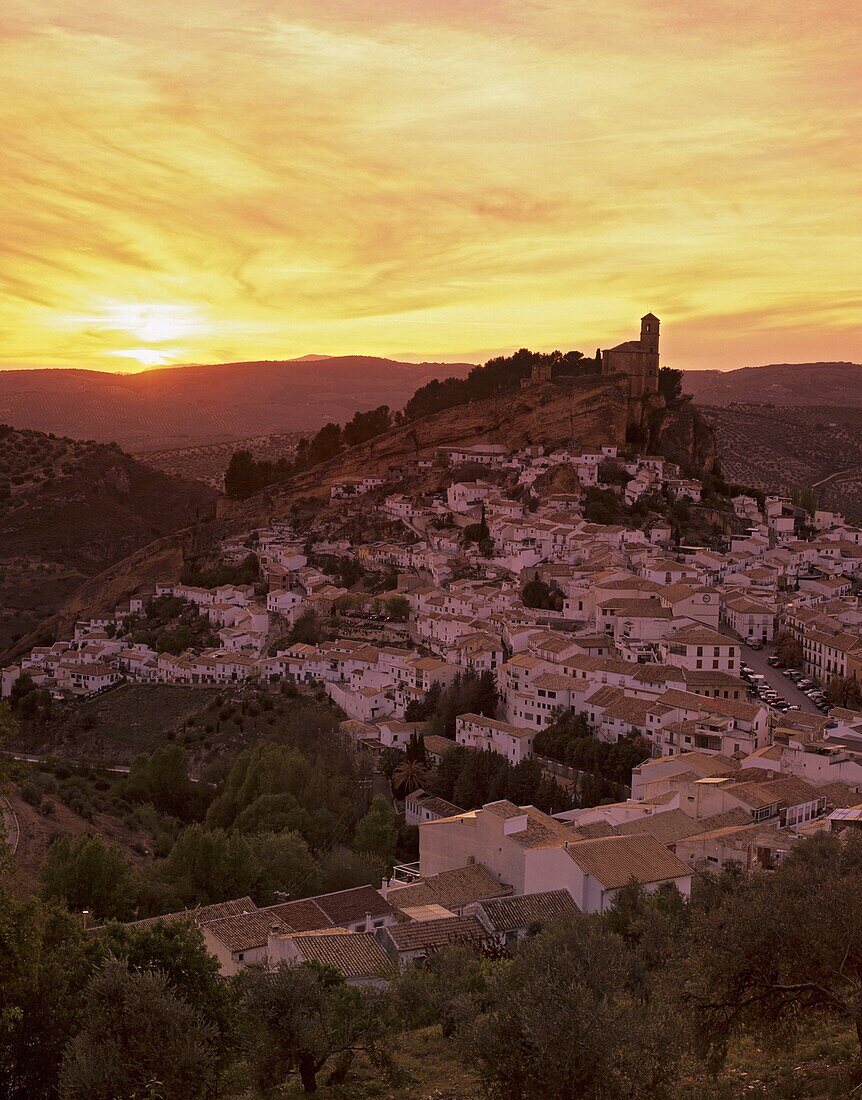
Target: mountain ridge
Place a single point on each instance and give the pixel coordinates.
(836, 383)
(208, 403)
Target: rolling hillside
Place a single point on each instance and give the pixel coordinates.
(70, 509)
(786, 448)
(189, 406)
(778, 384)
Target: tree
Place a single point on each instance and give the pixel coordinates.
(208, 865)
(540, 595)
(409, 776)
(397, 608)
(377, 832)
(306, 630)
(241, 479)
(286, 867)
(780, 946)
(175, 949)
(568, 1018)
(787, 649)
(87, 873)
(670, 383)
(138, 1040)
(45, 962)
(161, 778)
(298, 1019)
(845, 691)
(367, 425)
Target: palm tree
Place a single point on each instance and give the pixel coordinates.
(409, 776)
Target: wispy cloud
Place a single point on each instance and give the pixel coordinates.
(338, 176)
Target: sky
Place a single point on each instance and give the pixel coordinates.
(218, 180)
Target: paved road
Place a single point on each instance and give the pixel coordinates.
(31, 758)
(10, 822)
(757, 660)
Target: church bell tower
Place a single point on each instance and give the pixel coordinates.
(649, 333)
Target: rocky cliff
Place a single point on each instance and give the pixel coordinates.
(680, 433)
(588, 412)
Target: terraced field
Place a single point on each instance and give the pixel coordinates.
(789, 447)
(208, 463)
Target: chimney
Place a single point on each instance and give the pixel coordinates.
(275, 930)
(368, 923)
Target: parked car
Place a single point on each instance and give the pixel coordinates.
(755, 643)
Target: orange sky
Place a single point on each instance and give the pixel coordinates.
(207, 180)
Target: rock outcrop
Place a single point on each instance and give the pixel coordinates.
(585, 412)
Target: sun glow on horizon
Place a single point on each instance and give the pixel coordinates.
(207, 182)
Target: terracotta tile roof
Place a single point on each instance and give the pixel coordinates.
(202, 915)
(304, 915)
(243, 931)
(345, 906)
(511, 914)
(420, 935)
(353, 954)
(614, 860)
(671, 826)
(451, 889)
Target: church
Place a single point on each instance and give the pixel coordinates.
(637, 359)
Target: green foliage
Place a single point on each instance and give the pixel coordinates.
(273, 787)
(601, 506)
(570, 741)
(670, 383)
(205, 866)
(287, 867)
(569, 1018)
(172, 625)
(342, 869)
(469, 693)
(501, 375)
(246, 475)
(45, 960)
(28, 702)
(307, 630)
(176, 950)
(540, 595)
(296, 1020)
(89, 874)
(787, 649)
(161, 778)
(138, 1039)
(245, 572)
(845, 691)
(377, 833)
(397, 608)
(780, 948)
(450, 989)
(366, 425)
(470, 779)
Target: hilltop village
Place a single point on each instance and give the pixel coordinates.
(652, 642)
(451, 711)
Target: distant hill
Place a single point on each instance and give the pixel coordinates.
(778, 384)
(786, 448)
(187, 406)
(68, 510)
(208, 462)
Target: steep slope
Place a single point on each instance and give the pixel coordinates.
(778, 384)
(589, 411)
(185, 406)
(69, 509)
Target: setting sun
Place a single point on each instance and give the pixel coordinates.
(434, 180)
